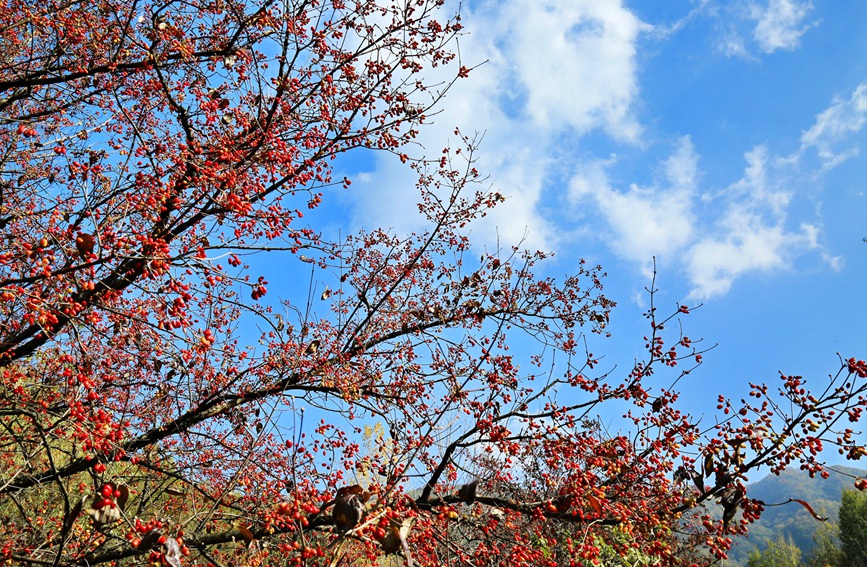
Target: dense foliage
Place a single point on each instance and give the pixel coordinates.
(853, 529)
(836, 544)
(779, 552)
(792, 522)
(152, 153)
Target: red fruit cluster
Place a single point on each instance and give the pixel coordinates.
(858, 367)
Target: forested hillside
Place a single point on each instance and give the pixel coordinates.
(791, 520)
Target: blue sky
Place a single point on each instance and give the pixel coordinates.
(725, 138)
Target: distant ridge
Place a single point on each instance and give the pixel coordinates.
(793, 521)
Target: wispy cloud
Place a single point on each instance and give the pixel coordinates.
(732, 44)
(759, 187)
(644, 222)
(750, 235)
(748, 245)
(772, 25)
(779, 24)
(834, 126)
(714, 237)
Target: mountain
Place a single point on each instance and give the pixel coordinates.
(792, 520)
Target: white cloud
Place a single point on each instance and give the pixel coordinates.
(715, 237)
(836, 263)
(834, 125)
(756, 188)
(750, 235)
(559, 69)
(681, 168)
(645, 221)
(778, 25)
(747, 243)
(573, 61)
(731, 44)
(555, 68)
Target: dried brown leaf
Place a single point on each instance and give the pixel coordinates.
(809, 509)
(124, 496)
(73, 515)
(312, 347)
(594, 503)
(348, 508)
(105, 515)
(246, 534)
(697, 479)
(708, 465)
(467, 492)
(149, 540)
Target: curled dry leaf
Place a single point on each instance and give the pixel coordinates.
(149, 540)
(723, 477)
(467, 492)
(809, 509)
(594, 503)
(708, 465)
(351, 489)
(246, 533)
(106, 509)
(73, 515)
(84, 243)
(410, 110)
(348, 508)
(563, 503)
(698, 479)
(731, 500)
(104, 515)
(395, 536)
(123, 497)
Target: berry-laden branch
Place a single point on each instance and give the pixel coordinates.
(393, 394)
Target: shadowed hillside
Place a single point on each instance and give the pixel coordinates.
(792, 520)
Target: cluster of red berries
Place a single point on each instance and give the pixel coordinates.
(260, 290)
(109, 493)
(25, 130)
(858, 367)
